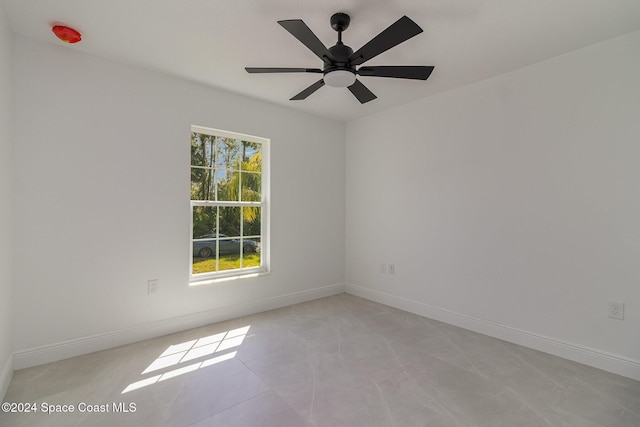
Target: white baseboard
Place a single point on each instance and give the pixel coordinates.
(89, 344)
(5, 376)
(598, 359)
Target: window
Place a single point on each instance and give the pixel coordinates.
(229, 211)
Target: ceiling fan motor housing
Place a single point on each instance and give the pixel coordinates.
(340, 54)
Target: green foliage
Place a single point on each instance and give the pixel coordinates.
(246, 184)
(204, 220)
(202, 158)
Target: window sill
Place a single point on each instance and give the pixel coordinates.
(195, 282)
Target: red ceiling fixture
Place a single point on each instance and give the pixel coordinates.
(66, 34)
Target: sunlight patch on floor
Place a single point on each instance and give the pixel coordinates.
(178, 354)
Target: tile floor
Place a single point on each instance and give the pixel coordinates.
(337, 361)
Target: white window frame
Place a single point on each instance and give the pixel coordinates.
(245, 272)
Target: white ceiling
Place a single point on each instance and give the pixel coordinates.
(211, 41)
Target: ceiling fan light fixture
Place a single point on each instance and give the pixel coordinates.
(339, 78)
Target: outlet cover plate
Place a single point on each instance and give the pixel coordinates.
(152, 286)
(616, 310)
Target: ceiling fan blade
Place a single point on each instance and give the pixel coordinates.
(401, 30)
(308, 91)
(299, 30)
(361, 92)
(254, 70)
(398, 72)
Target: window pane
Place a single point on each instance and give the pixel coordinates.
(201, 149)
(228, 153)
(221, 184)
(204, 241)
(228, 185)
(204, 265)
(230, 221)
(202, 187)
(250, 183)
(233, 193)
(230, 245)
(252, 259)
(251, 254)
(252, 251)
(204, 221)
(251, 150)
(229, 254)
(251, 221)
(229, 238)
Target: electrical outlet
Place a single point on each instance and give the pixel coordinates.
(392, 269)
(616, 310)
(383, 268)
(152, 286)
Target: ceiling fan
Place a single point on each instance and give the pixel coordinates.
(340, 61)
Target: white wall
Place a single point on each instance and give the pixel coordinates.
(511, 206)
(102, 205)
(5, 203)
